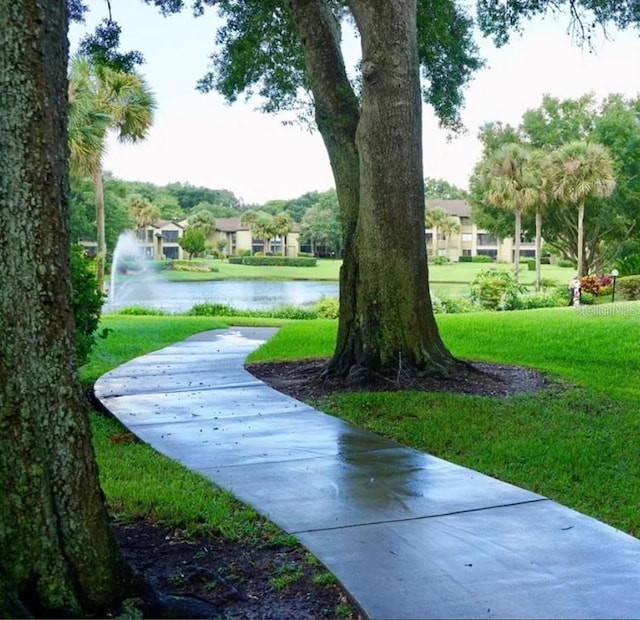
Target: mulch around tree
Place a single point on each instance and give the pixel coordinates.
(237, 579)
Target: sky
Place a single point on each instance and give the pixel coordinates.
(199, 139)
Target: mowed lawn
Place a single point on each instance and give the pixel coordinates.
(575, 442)
(451, 279)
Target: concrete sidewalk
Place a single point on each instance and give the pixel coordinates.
(407, 534)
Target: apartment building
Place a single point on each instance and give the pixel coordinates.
(161, 239)
(470, 240)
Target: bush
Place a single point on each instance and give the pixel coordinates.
(566, 264)
(212, 309)
(481, 258)
(495, 290)
(531, 264)
(590, 284)
(278, 261)
(141, 311)
(87, 301)
(628, 265)
(453, 305)
(235, 260)
(440, 260)
(328, 308)
(464, 259)
(629, 287)
(548, 299)
(193, 266)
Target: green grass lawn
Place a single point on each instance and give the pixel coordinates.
(323, 270)
(575, 443)
(451, 280)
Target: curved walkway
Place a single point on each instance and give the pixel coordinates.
(407, 534)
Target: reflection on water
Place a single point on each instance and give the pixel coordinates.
(244, 294)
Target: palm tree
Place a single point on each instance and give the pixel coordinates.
(282, 225)
(509, 185)
(435, 219)
(261, 225)
(537, 177)
(581, 169)
(143, 212)
(104, 100)
(450, 227)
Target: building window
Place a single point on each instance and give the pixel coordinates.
(466, 252)
(467, 237)
(170, 236)
(171, 253)
(485, 239)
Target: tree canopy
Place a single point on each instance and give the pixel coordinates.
(612, 223)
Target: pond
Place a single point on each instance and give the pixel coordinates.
(152, 292)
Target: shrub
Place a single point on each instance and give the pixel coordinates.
(328, 308)
(193, 266)
(531, 264)
(440, 260)
(457, 305)
(629, 287)
(212, 309)
(87, 301)
(566, 264)
(464, 259)
(481, 258)
(278, 261)
(141, 311)
(628, 265)
(495, 290)
(235, 260)
(548, 299)
(590, 284)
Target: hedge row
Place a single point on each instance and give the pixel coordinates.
(272, 261)
(629, 287)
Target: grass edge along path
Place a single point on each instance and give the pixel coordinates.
(163, 491)
(574, 443)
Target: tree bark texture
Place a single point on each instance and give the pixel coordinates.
(58, 555)
(386, 318)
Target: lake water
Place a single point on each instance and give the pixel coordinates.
(242, 294)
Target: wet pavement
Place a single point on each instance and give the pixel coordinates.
(407, 534)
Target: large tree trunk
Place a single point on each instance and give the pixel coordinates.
(386, 318)
(101, 256)
(57, 552)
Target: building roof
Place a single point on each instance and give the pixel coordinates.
(459, 208)
(229, 224)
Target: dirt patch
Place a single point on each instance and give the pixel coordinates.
(237, 580)
(304, 381)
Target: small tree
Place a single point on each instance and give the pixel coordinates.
(193, 241)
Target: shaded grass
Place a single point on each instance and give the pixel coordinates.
(575, 443)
